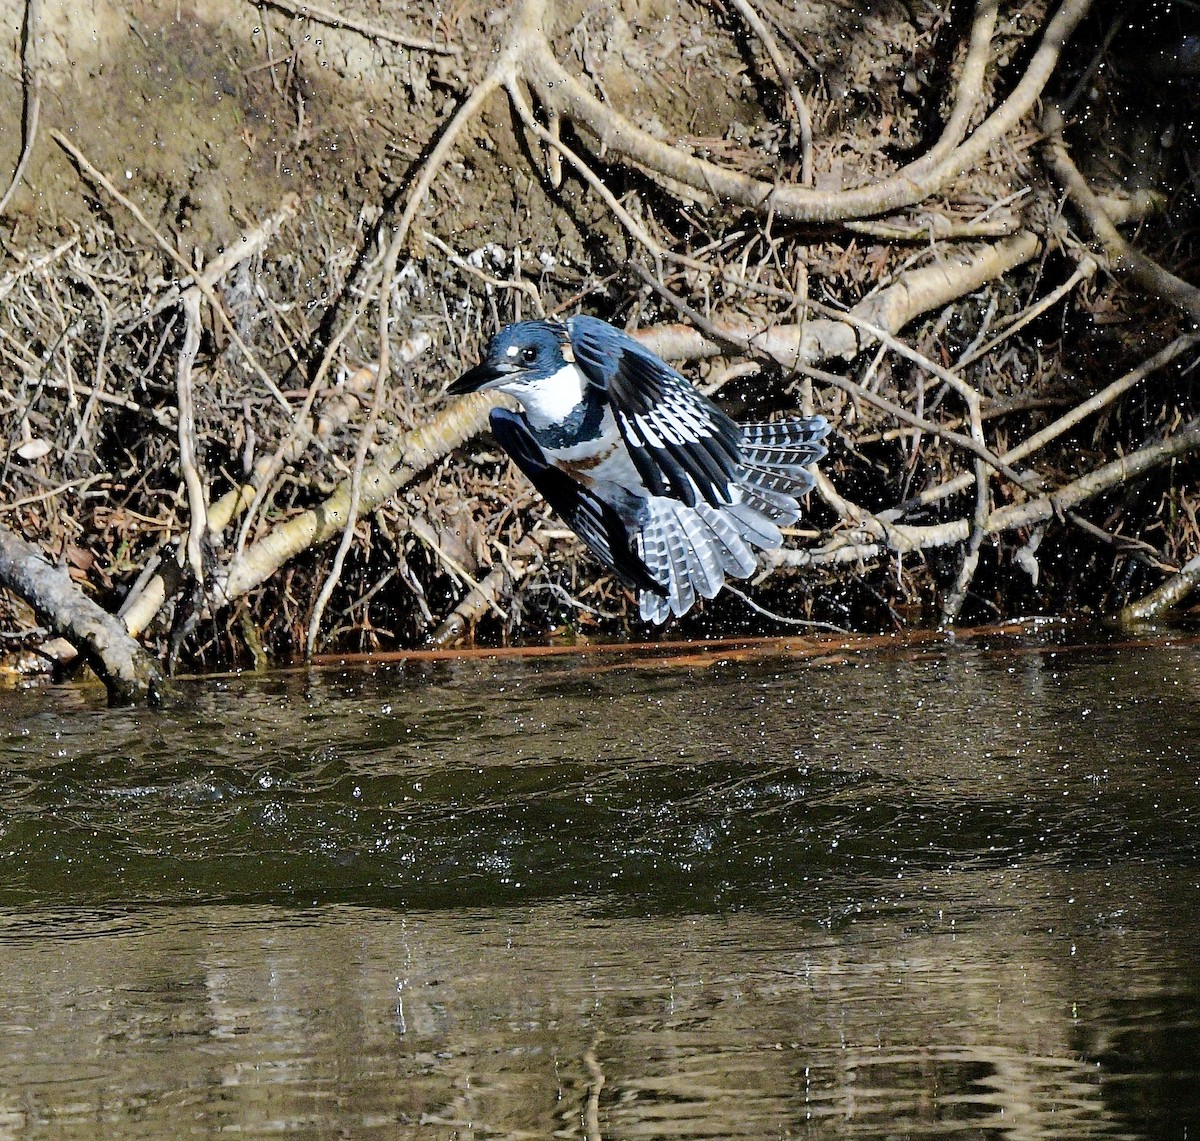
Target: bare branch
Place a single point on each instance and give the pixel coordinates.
(197, 506)
(393, 467)
(1060, 426)
(1121, 256)
(873, 535)
(128, 673)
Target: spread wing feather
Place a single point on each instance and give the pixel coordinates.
(736, 556)
(713, 490)
(678, 438)
(691, 550)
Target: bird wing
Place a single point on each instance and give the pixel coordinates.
(608, 529)
(681, 443)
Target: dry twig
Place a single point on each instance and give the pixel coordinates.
(31, 84)
(315, 12)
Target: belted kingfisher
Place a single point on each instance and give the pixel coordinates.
(664, 488)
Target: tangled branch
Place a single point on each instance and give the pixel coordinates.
(903, 336)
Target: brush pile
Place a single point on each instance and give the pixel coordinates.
(246, 246)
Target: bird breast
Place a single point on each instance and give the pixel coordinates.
(602, 459)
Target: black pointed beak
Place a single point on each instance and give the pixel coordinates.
(474, 379)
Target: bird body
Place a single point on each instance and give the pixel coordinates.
(660, 484)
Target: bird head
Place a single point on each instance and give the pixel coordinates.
(517, 357)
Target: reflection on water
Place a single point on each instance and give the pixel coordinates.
(948, 894)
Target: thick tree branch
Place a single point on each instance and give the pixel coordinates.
(129, 674)
(1168, 596)
(393, 467)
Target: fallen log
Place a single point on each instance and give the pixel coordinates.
(130, 675)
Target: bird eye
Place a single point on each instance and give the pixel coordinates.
(529, 355)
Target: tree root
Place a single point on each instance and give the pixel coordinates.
(802, 335)
(321, 15)
(557, 88)
(32, 93)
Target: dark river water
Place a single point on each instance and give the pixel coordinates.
(951, 891)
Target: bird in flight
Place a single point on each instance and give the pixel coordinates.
(661, 485)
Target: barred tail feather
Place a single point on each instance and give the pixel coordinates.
(689, 550)
(776, 454)
(802, 435)
(675, 568)
(786, 480)
(653, 607)
(773, 475)
(780, 509)
(736, 557)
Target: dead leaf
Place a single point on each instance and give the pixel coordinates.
(34, 449)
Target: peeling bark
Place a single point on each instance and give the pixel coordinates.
(129, 674)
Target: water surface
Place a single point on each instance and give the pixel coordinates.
(951, 892)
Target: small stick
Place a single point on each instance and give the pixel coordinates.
(1083, 271)
(559, 148)
(53, 492)
(32, 85)
(80, 160)
(197, 508)
(784, 618)
(309, 11)
(803, 118)
(524, 286)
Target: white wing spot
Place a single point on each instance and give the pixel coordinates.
(630, 431)
(677, 424)
(648, 433)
